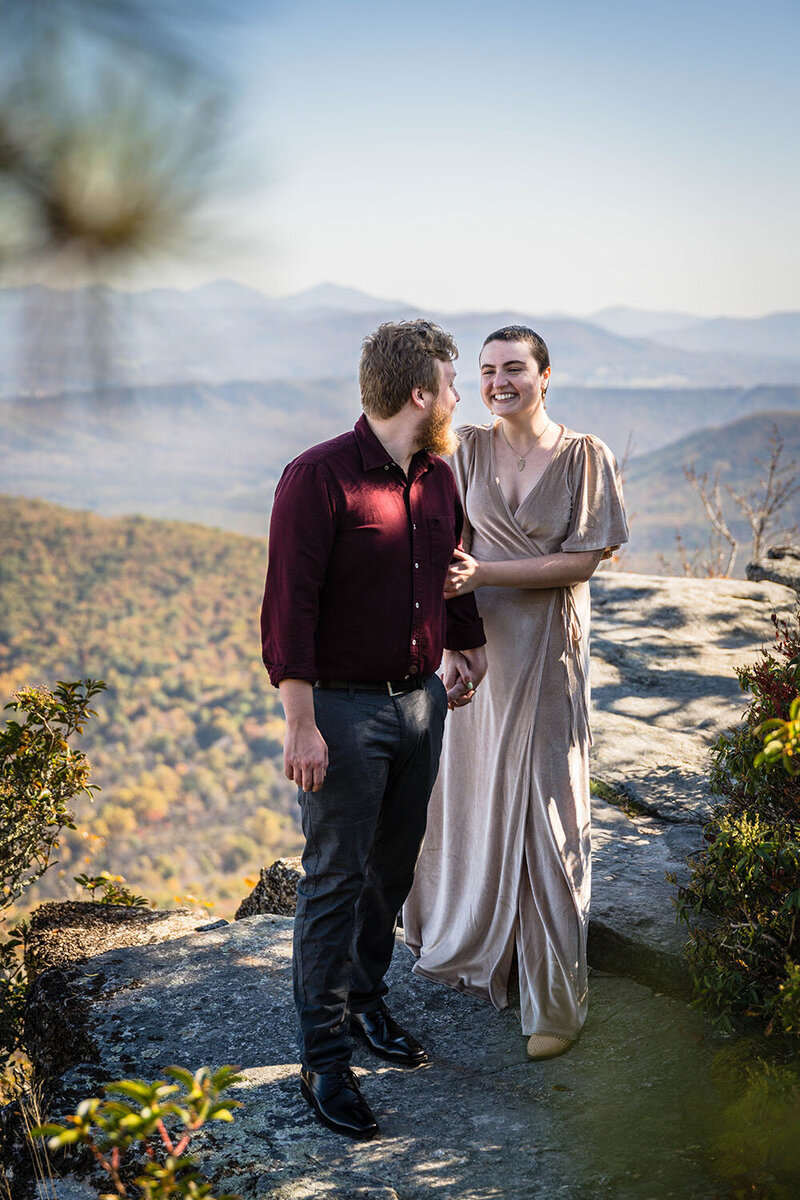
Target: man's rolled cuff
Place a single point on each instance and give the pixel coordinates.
(279, 671)
(464, 628)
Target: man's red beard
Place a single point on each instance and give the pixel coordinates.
(436, 432)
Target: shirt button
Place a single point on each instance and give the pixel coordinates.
(416, 566)
(417, 604)
(413, 527)
(413, 641)
(413, 670)
(386, 468)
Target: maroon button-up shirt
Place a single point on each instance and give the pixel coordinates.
(358, 556)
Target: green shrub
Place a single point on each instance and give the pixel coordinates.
(41, 775)
(156, 1121)
(745, 962)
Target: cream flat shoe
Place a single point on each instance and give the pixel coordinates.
(542, 1045)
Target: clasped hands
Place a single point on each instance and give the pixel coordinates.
(462, 671)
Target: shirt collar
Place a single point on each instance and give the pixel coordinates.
(374, 454)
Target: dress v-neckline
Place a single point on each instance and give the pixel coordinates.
(529, 493)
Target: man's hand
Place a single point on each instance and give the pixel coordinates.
(305, 754)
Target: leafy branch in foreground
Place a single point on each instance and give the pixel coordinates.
(111, 1127)
(781, 741)
(40, 775)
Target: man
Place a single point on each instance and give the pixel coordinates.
(353, 625)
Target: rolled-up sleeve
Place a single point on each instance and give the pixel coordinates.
(301, 534)
(464, 628)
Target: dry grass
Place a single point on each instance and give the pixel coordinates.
(18, 1086)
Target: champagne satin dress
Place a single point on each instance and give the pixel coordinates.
(506, 859)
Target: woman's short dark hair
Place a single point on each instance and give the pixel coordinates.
(521, 333)
(398, 357)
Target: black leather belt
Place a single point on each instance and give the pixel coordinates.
(390, 687)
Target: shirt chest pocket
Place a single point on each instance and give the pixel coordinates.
(441, 541)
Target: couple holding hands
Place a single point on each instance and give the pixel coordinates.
(386, 563)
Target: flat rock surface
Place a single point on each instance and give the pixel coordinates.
(663, 688)
(625, 1114)
(663, 685)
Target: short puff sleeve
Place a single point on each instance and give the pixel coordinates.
(460, 463)
(597, 521)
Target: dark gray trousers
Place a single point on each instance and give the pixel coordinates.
(363, 832)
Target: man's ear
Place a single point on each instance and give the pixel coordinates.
(418, 398)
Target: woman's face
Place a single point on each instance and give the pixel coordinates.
(511, 381)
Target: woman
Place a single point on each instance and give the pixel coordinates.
(505, 867)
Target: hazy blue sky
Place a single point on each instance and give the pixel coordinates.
(551, 157)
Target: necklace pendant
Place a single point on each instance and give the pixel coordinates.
(521, 464)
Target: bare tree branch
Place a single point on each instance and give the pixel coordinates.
(711, 499)
(762, 504)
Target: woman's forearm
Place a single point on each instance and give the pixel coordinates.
(549, 570)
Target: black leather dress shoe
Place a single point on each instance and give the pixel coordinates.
(337, 1100)
(385, 1038)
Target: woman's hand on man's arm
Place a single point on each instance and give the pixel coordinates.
(563, 569)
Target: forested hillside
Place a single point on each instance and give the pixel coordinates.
(187, 742)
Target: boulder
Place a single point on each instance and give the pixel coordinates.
(781, 564)
(62, 933)
(275, 892)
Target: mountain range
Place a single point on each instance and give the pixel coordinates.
(54, 341)
(187, 405)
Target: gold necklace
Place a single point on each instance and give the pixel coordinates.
(522, 457)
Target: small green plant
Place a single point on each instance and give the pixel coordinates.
(157, 1120)
(41, 774)
(745, 961)
(112, 890)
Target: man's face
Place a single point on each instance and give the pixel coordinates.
(435, 431)
(511, 382)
